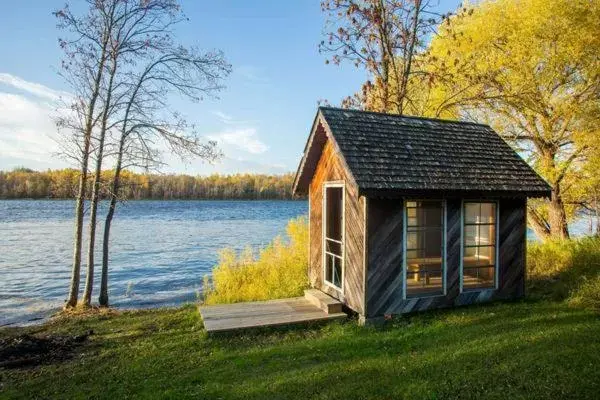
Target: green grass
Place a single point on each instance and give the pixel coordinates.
(547, 346)
(528, 349)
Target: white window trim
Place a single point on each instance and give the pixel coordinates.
(404, 240)
(333, 184)
(462, 245)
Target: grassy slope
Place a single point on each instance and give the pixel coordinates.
(535, 349)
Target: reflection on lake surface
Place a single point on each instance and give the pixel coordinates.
(160, 250)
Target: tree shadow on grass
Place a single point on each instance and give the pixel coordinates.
(523, 349)
(480, 357)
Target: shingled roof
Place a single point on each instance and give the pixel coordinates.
(389, 154)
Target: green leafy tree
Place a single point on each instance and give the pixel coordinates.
(530, 68)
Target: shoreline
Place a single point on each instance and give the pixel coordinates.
(126, 200)
(57, 313)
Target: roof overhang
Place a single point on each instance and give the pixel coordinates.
(454, 193)
(320, 133)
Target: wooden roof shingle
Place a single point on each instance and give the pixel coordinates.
(388, 153)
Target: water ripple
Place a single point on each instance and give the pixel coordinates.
(160, 249)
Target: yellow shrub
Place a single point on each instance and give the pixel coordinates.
(565, 270)
(279, 271)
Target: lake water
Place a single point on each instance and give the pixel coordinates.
(160, 250)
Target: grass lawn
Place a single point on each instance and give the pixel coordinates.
(528, 349)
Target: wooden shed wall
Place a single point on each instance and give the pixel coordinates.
(384, 260)
(330, 168)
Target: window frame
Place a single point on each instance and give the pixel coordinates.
(326, 185)
(405, 295)
(496, 245)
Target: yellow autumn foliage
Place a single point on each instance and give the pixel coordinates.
(531, 70)
(279, 271)
(565, 270)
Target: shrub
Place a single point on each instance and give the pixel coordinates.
(279, 271)
(588, 294)
(559, 270)
(565, 270)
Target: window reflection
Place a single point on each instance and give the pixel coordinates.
(424, 247)
(479, 241)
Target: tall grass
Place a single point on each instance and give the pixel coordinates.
(279, 271)
(565, 270)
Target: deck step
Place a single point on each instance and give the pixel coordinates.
(233, 317)
(324, 301)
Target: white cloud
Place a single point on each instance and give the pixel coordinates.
(251, 74)
(225, 165)
(32, 88)
(27, 129)
(244, 139)
(229, 119)
(225, 118)
(28, 134)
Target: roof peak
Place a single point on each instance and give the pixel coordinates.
(401, 116)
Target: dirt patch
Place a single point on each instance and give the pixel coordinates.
(29, 350)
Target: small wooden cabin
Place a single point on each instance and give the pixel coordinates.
(408, 214)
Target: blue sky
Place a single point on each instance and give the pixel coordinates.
(261, 119)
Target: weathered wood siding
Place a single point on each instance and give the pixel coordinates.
(384, 267)
(329, 169)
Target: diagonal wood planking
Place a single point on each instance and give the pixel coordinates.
(384, 275)
(330, 168)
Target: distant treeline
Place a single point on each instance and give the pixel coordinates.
(62, 184)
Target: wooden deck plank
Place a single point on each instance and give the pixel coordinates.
(228, 317)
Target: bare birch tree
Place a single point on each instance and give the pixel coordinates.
(122, 62)
(147, 120)
(83, 67)
(139, 28)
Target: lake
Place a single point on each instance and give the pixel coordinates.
(160, 250)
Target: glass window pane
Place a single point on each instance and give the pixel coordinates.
(488, 213)
(412, 254)
(432, 215)
(471, 213)
(471, 256)
(476, 278)
(479, 232)
(334, 196)
(424, 248)
(329, 267)
(424, 279)
(411, 240)
(487, 234)
(333, 247)
(487, 255)
(471, 235)
(337, 272)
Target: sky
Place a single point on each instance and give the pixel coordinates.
(260, 121)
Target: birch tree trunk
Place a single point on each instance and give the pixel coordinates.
(103, 298)
(83, 174)
(89, 282)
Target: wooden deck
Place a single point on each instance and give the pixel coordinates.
(230, 317)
